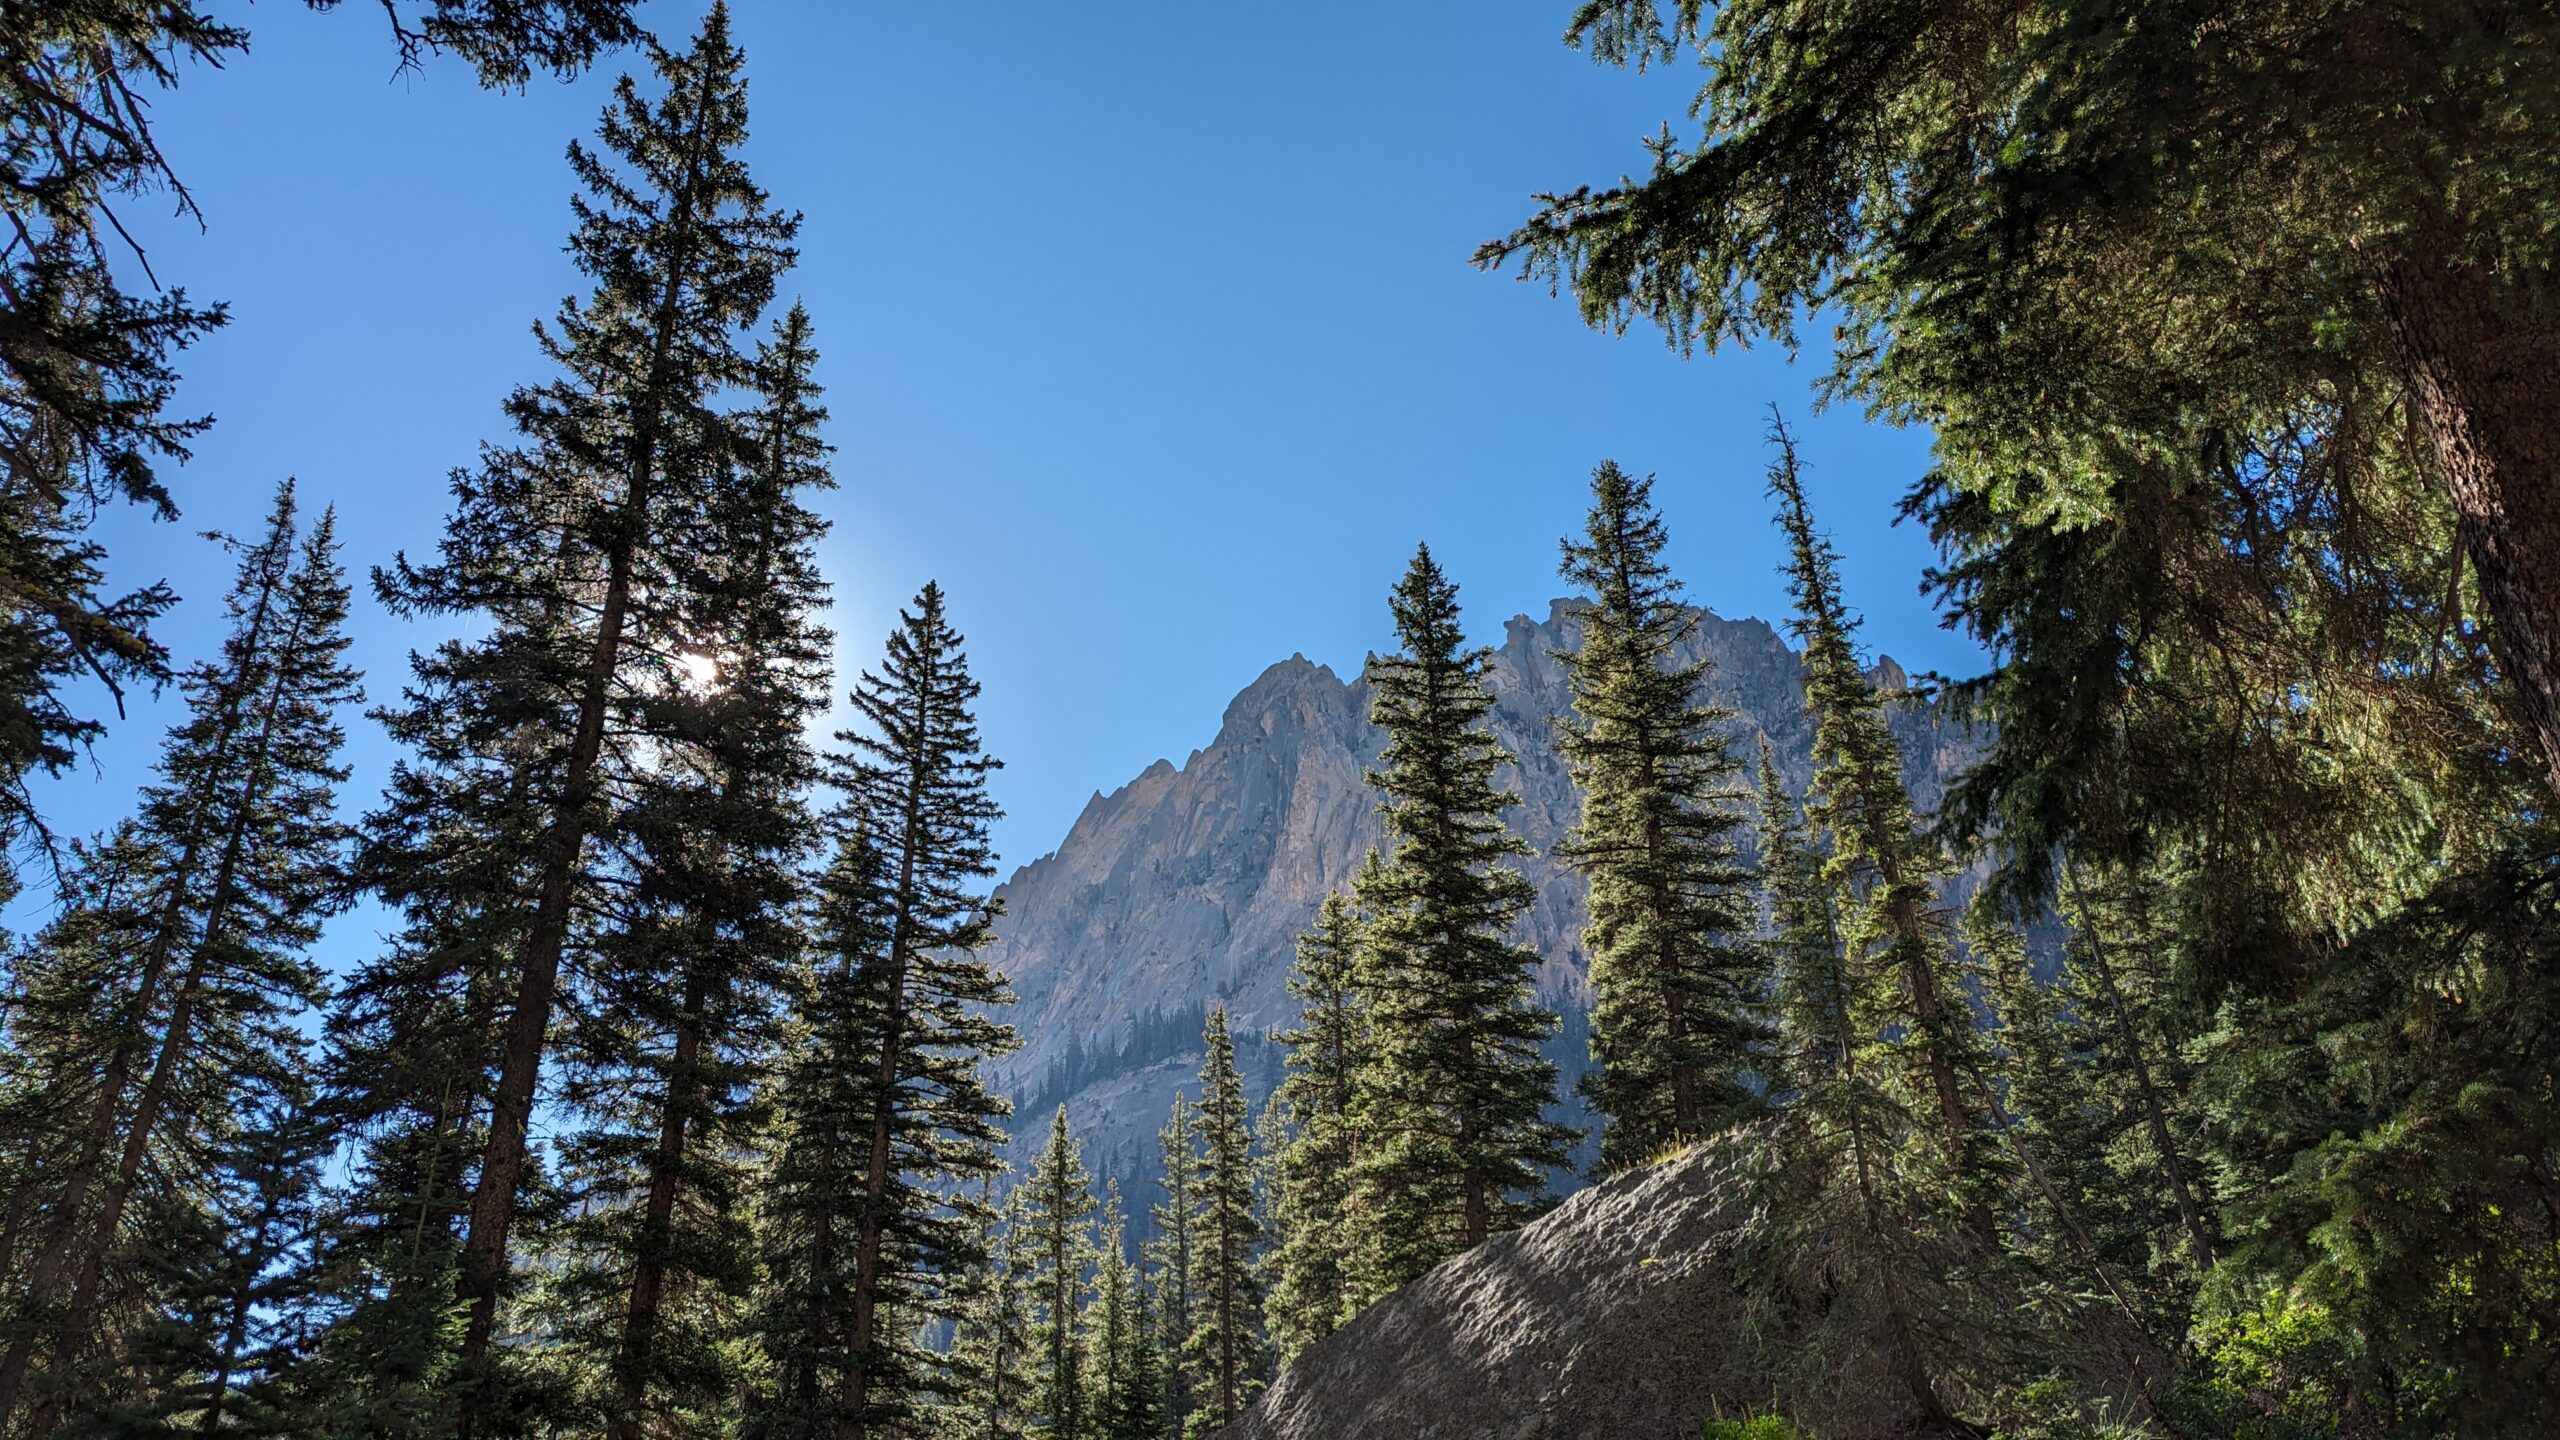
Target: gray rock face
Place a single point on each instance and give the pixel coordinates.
(1189, 886)
(1614, 1315)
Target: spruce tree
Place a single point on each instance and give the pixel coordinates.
(994, 1352)
(1310, 1268)
(1170, 1255)
(887, 1114)
(567, 551)
(1879, 1179)
(1225, 1291)
(1139, 1413)
(1058, 1212)
(664, 1062)
(1111, 1325)
(1840, 1215)
(190, 969)
(1675, 980)
(1455, 1143)
(1877, 858)
(219, 1353)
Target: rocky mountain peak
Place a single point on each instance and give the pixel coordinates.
(1188, 886)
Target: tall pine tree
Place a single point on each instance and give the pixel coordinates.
(1170, 1254)
(536, 732)
(1878, 860)
(1226, 1336)
(1675, 979)
(888, 1119)
(1058, 1213)
(1310, 1270)
(1455, 1143)
(665, 1059)
(187, 964)
(994, 1354)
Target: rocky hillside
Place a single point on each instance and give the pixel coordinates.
(1188, 886)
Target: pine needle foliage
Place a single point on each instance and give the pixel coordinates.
(1310, 1269)
(1169, 1254)
(994, 1358)
(1225, 1342)
(664, 1060)
(1452, 1104)
(1058, 1213)
(90, 370)
(532, 744)
(888, 1122)
(1675, 978)
(167, 993)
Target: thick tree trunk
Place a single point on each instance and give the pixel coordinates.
(2483, 367)
(493, 1199)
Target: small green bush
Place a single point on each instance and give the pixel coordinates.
(1764, 1427)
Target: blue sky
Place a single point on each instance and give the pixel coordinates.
(1148, 331)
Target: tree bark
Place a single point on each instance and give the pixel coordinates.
(657, 1225)
(2482, 364)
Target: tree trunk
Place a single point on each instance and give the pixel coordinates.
(2173, 1169)
(493, 1200)
(59, 1256)
(649, 1272)
(2483, 366)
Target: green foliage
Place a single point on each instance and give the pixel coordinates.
(1452, 1102)
(1170, 1256)
(1058, 1217)
(1758, 1427)
(1223, 1350)
(888, 1123)
(1675, 982)
(89, 370)
(154, 1020)
(1310, 1271)
(641, 825)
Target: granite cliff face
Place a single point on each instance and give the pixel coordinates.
(1188, 886)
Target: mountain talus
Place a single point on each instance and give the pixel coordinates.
(1189, 886)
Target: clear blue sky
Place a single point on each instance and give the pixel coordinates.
(1148, 330)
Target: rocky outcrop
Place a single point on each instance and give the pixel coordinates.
(1189, 885)
(1615, 1315)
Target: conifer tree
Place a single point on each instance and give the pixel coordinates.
(887, 1115)
(1840, 1216)
(1675, 980)
(1226, 1334)
(1112, 1336)
(1877, 859)
(1140, 1412)
(536, 729)
(1879, 1181)
(1170, 1256)
(1311, 1264)
(1455, 1143)
(665, 1060)
(219, 1354)
(1058, 1212)
(994, 1351)
(185, 962)
(90, 368)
